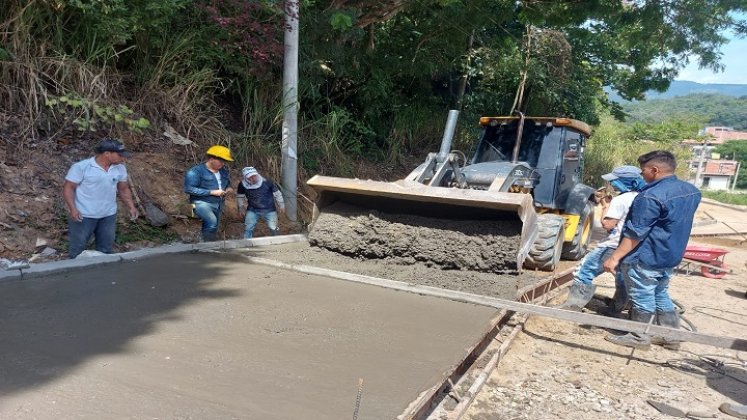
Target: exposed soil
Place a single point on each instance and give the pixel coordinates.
(558, 370)
(485, 246)
(33, 216)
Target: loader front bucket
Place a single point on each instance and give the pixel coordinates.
(450, 227)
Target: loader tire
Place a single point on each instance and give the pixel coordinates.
(579, 246)
(545, 251)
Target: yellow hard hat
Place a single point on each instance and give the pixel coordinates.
(221, 152)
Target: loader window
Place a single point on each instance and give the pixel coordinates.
(497, 144)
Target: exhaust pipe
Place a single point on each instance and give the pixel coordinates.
(448, 136)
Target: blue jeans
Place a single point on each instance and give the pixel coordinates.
(253, 216)
(103, 230)
(648, 288)
(592, 266)
(210, 215)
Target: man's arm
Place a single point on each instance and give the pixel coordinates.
(123, 191)
(68, 194)
(278, 197)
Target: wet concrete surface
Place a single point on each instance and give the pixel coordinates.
(501, 285)
(205, 336)
(476, 245)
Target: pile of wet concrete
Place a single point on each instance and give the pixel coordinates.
(475, 245)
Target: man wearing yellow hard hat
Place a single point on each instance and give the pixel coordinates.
(207, 185)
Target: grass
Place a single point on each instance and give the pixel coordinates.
(140, 230)
(738, 198)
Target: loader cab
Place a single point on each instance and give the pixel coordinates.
(552, 148)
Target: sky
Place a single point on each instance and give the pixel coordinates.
(734, 58)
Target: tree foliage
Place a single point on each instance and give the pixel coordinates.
(383, 72)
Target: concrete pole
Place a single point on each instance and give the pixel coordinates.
(736, 175)
(289, 165)
(701, 160)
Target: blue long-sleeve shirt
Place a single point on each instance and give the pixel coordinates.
(661, 218)
(262, 198)
(199, 181)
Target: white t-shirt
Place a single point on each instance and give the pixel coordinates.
(618, 209)
(96, 193)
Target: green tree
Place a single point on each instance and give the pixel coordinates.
(736, 150)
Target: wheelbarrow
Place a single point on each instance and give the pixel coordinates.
(709, 260)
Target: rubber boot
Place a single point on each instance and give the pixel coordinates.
(578, 296)
(635, 340)
(671, 320)
(618, 303)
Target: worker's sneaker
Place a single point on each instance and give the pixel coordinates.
(671, 320)
(635, 340)
(638, 341)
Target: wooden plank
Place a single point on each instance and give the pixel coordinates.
(570, 316)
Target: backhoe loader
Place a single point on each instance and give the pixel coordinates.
(516, 202)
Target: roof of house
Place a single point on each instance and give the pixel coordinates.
(720, 167)
(722, 134)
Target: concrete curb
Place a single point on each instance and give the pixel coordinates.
(56, 267)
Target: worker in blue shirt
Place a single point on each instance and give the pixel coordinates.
(653, 242)
(207, 185)
(263, 201)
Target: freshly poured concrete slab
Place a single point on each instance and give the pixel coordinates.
(205, 336)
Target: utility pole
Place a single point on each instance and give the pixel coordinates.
(736, 175)
(289, 165)
(698, 173)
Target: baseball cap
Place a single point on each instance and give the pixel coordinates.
(112, 145)
(625, 171)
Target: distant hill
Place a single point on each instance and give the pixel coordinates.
(684, 88)
(705, 108)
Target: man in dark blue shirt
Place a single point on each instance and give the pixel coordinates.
(261, 195)
(653, 242)
(207, 185)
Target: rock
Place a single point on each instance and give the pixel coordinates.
(664, 383)
(48, 252)
(40, 242)
(736, 410)
(667, 409)
(701, 415)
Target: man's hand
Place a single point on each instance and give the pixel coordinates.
(281, 211)
(134, 214)
(217, 193)
(75, 215)
(610, 265)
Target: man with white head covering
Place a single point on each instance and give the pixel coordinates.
(627, 181)
(263, 201)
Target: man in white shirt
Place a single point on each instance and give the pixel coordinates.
(90, 193)
(627, 181)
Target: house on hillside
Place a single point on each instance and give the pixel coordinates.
(717, 174)
(721, 135)
(707, 169)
